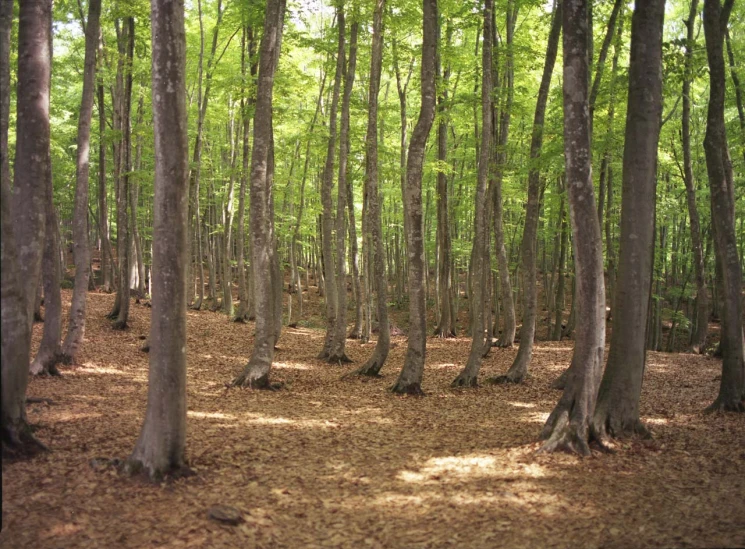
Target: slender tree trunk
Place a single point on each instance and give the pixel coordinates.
(721, 185)
(410, 378)
(738, 89)
(327, 183)
(256, 372)
(567, 428)
(375, 262)
(468, 377)
(81, 248)
(519, 368)
(560, 271)
(337, 351)
(617, 408)
(23, 220)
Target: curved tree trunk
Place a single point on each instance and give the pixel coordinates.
(256, 372)
(81, 248)
(160, 449)
(468, 377)
(519, 368)
(23, 220)
(617, 408)
(567, 428)
(337, 352)
(410, 378)
(721, 184)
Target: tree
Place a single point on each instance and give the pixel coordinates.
(617, 408)
(519, 367)
(410, 378)
(567, 428)
(256, 372)
(23, 220)
(721, 185)
(480, 253)
(81, 249)
(375, 362)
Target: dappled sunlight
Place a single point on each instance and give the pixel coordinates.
(443, 366)
(522, 404)
(469, 467)
(210, 415)
(260, 419)
(535, 417)
(291, 366)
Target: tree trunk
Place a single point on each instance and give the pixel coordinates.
(721, 184)
(161, 447)
(617, 408)
(81, 248)
(327, 183)
(698, 339)
(468, 377)
(108, 268)
(337, 352)
(410, 378)
(256, 372)
(375, 262)
(738, 89)
(519, 368)
(22, 221)
(567, 428)
(561, 273)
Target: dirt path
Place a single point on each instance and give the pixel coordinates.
(331, 463)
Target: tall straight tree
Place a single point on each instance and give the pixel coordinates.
(23, 208)
(721, 185)
(480, 252)
(375, 362)
(519, 367)
(567, 428)
(410, 379)
(327, 184)
(256, 372)
(337, 351)
(81, 248)
(698, 336)
(617, 408)
(161, 447)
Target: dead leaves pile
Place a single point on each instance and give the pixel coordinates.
(332, 463)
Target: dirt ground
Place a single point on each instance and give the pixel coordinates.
(327, 462)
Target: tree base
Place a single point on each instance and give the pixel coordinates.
(560, 382)
(402, 388)
(602, 431)
(339, 359)
(46, 370)
(18, 442)
(248, 380)
(726, 405)
(120, 325)
(506, 379)
(134, 467)
(465, 380)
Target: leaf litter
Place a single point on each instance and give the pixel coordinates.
(327, 462)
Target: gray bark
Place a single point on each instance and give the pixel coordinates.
(410, 379)
(617, 408)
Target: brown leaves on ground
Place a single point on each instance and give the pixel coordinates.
(331, 463)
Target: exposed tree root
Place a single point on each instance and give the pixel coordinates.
(46, 370)
(562, 435)
(726, 405)
(505, 379)
(248, 379)
(601, 431)
(465, 380)
(40, 400)
(119, 325)
(402, 388)
(19, 442)
(135, 467)
(339, 359)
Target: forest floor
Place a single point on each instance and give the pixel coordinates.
(326, 462)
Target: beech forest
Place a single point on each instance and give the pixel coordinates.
(372, 273)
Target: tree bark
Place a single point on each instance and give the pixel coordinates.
(721, 185)
(337, 351)
(567, 428)
(617, 409)
(410, 379)
(161, 447)
(468, 377)
(256, 372)
(23, 220)
(519, 368)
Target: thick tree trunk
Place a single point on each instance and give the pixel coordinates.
(23, 220)
(375, 262)
(256, 372)
(567, 428)
(161, 447)
(698, 336)
(327, 183)
(519, 368)
(617, 408)
(337, 351)
(721, 185)
(81, 248)
(410, 378)
(468, 377)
